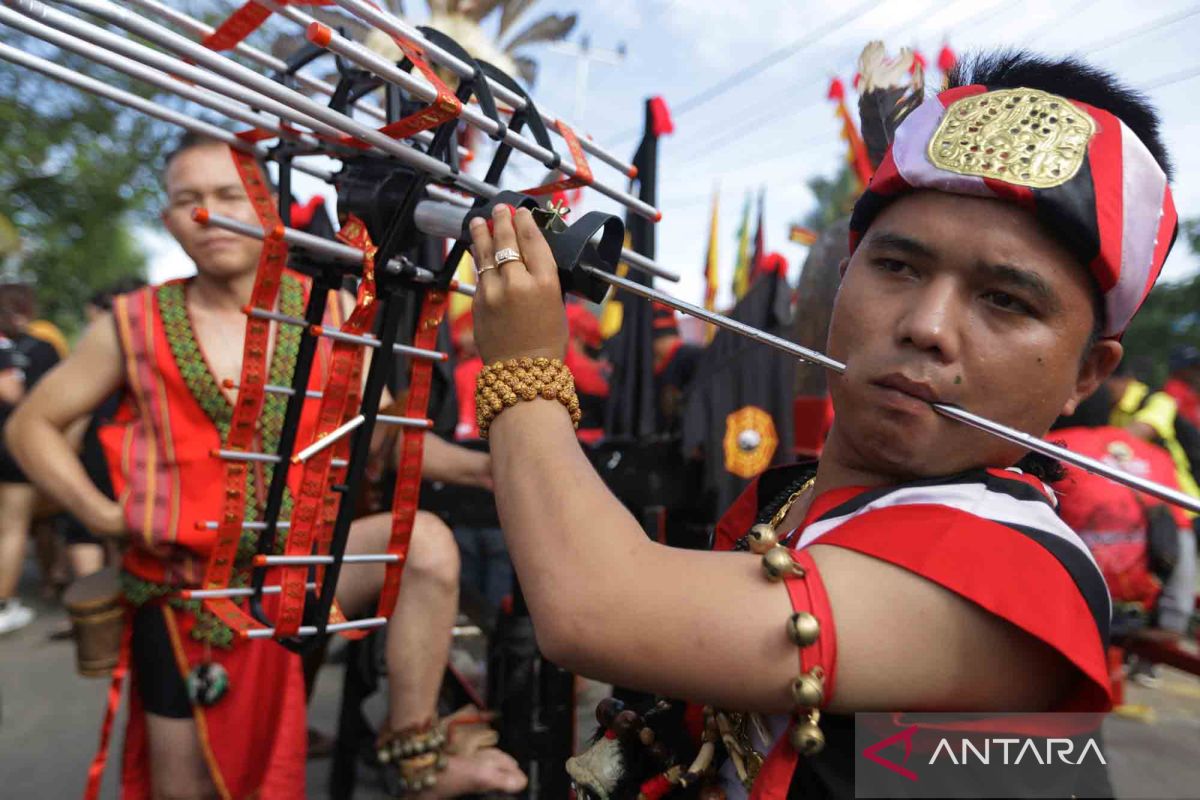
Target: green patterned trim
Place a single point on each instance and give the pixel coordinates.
(208, 627)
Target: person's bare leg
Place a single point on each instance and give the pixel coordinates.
(418, 640)
(85, 558)
(16, 516)
(178, 770)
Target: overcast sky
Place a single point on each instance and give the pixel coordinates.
(776, 130)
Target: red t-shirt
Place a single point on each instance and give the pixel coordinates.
(1111, 518)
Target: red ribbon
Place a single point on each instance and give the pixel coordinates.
(245, 21)
(243, 428)
(96, 768)
(583, 170)
(412, 449)
(316, 504)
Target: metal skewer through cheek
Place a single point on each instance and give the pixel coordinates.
(1017, 437)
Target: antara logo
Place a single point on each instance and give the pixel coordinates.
(1056, 751)
(1008, 752)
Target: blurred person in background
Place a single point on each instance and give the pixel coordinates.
(1184, 383)
(23, 362)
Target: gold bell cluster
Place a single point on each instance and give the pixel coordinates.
(417, 754)
(803, 629)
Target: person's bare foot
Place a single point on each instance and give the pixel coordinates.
(479, 772)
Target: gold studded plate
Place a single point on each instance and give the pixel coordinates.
(1019, 136)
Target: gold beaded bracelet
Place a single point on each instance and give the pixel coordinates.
(504, 383)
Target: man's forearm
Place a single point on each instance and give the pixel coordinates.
(451, 463)
(569, 536)
(50, 461)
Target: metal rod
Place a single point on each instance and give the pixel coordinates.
(388, 23)
(328, 439)
(448, 196)
(233, 84)
(304, 561)
(351, 424)
(156, 78)
(264, 458)
(404, 422)
(271, 388)
(720, 320)
(254, 89)
(310, 82)
(311, 630)
(340, 252)
(212, 525)
(147, 107)
(204, 594)
(371, 341)
(1021, 438)
(278, 99)
(445, 220)
(324, 36)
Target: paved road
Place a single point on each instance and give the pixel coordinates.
(50, 719)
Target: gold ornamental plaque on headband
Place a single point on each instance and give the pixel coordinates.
(1022, 136)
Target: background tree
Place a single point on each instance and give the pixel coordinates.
(1169, 318)
(835, 196)
(77, 175)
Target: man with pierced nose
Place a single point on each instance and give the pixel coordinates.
(1007, 238)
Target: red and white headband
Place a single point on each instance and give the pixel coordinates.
(1077, 168)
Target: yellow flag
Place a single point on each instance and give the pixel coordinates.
(612, 313)
(741, 270)
(711, 271)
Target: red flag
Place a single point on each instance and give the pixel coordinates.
(756, 263)
(837, 91)
(660, 117)
(946, 59)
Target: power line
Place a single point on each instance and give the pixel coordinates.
(1149, 27)
(721, 141)
(1172, 79)
(768, 61)
(1050, 27)
(707, 148)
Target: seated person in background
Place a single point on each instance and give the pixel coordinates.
(26, 358)
(1125, 529)
(1154, 417)
(211, 714)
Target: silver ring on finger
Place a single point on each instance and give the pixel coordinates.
(484, 269)
(505, 255)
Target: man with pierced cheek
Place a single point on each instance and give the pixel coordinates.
(1013, 228)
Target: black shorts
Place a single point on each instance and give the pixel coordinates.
(160, 686)
(10, 471)
(73, 531)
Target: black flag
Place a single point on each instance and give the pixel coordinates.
(738, 411)
(630, 411)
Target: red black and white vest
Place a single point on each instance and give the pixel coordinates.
(991, 536)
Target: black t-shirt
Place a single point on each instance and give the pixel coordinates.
(35, 356)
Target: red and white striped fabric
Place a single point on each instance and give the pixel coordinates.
(1113, 209)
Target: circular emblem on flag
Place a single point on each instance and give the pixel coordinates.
(750, 441)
